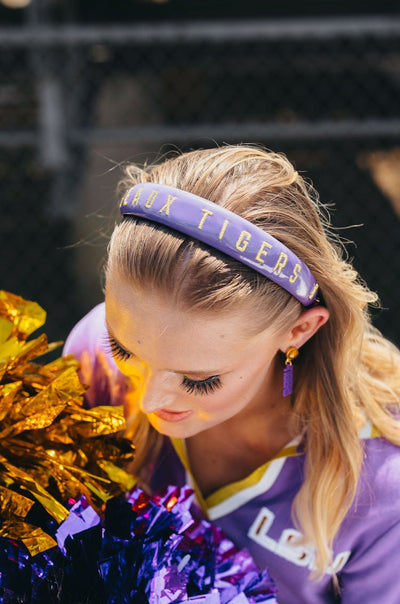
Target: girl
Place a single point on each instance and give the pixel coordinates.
(222, 272)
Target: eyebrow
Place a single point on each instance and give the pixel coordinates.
(187, 372)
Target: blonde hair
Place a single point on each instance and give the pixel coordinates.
(346, 373)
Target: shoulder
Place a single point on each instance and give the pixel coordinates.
(89, 333)
(375, 508)
(88, 343)
(371, 530)
(380, 476)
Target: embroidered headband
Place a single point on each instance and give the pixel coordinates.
(225, 231)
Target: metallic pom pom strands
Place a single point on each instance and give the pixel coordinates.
(52, 449)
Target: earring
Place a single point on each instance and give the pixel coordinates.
(291, 354)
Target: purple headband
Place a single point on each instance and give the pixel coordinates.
(225, 231)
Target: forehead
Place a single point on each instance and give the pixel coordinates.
(153, 328)
(148, 307)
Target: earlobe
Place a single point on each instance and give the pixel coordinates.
(309, 322)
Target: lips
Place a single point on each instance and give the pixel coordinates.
(172, 416)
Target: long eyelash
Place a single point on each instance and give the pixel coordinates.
(202, 386)
(116, 350)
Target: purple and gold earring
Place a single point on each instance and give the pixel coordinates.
(291, 354)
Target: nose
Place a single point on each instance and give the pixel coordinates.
(159, 392)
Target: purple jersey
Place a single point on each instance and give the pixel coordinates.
(256, 512)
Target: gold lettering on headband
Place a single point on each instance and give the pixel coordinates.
(296, 272)
(223, 229)
(314, 289)
(124, 201)
(243, 241)
(203, 219)
(135, 200)
(168, 204)
(262, 251)
(151, 198)
(280, 263)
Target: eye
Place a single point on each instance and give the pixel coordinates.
(116, 350)
(206, 386)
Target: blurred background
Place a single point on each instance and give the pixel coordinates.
(86, 86)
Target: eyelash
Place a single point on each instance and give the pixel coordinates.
(201, 387)
(206, 386)
(116, 350)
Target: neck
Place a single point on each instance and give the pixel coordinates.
(232, 450)
(261, 431)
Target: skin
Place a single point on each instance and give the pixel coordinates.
(243, 422)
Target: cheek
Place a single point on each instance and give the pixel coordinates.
(243, 389)
(230, 397)
(246, 385)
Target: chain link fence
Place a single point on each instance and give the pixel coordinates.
(78, 101)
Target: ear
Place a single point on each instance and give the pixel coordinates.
(306, 326)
